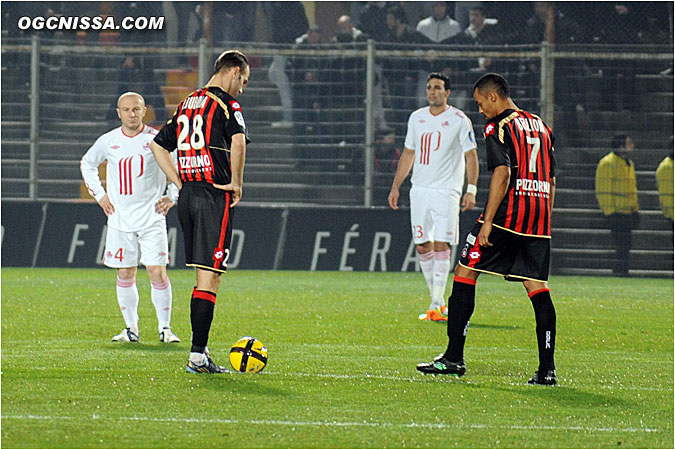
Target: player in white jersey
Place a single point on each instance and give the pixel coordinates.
(440, 147)
(136, 208)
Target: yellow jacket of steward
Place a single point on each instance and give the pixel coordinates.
(664, 183)
(616, 185)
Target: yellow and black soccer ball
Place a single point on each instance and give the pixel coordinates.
(248, 355)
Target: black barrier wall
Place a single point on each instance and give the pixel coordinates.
(359, 239)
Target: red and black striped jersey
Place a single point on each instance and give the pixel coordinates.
(202, 129)
(524, 143)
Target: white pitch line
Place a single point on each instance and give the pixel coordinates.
(338, 424)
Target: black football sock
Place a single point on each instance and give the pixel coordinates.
(460, 308)
(201, 316)
(544, 314)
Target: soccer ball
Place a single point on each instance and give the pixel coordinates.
(248, 355)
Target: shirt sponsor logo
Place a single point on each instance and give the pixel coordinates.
(536, 188)
(490, 129)
(191, 162)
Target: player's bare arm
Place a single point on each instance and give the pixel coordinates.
(405, 164)
(552, 192)
(469, 199)
(237, 160)
(166, 163)
(499, 184)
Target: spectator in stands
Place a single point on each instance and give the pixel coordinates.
(439, 27)
(238, 21)
(136, 73)
(567, 31)
(287, 21)
(373, 20)
(620, 26)
(310, 93)
(616, 191)
(400, 73)
(664, 183)
(618, 86)
(346, 31)
(482, 31)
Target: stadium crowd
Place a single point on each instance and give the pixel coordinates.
(472, 22)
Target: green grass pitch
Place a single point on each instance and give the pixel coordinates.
(341, 373)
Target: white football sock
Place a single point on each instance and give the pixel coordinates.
(427, 266)
(127, 297)
(162, 297)
(198, 358)
(441, 271)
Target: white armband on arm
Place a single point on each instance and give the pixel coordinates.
(172, 192)
(471, 189)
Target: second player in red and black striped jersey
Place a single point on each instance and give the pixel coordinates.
(524, 143)
(201, 130)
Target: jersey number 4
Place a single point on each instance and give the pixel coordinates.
(196, 136)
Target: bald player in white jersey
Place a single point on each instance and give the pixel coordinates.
(440, 147)
(136, 208)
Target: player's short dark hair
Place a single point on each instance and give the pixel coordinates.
(439, 76)
(619, 140)
(493, 82)
(229, 59)
(479, 8)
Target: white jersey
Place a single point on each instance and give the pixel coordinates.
(135, 182)
(439, 142)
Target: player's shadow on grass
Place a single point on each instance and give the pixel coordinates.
(142, 347)
(240, 383)
(565, 395)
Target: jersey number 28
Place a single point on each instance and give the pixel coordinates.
(196, 136)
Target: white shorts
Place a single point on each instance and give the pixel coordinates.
(121, 247)
(434, 215)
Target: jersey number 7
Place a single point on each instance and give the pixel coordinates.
(534, 152)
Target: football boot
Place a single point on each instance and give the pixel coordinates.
(546, 378)
(441, 366)
(126, 336)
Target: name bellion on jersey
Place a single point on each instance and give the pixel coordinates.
(195, 102)
(533, 187)
(190, 162)
(530, 125)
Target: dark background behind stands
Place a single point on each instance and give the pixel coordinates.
(316, 157)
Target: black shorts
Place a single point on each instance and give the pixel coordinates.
(206, 219)
(513, 256)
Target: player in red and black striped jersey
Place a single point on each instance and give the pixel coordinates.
(209, 132)
(512, 236)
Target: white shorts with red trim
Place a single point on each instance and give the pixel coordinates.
(122, 247)
(434, 215)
